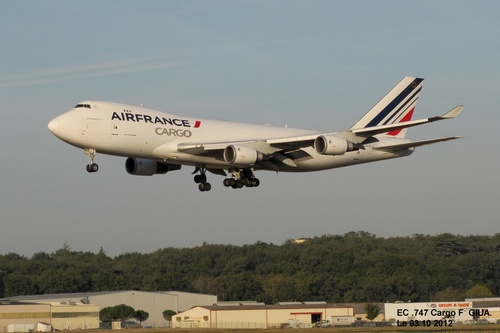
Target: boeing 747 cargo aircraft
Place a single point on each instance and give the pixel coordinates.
(156, 142)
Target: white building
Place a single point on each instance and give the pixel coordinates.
(37, 317)
(260, 316)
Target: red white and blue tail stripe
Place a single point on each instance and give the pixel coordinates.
(396, 107)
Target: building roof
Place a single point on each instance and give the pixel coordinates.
(486, 304)
(52, 296)
(360, 307)
(9, 302)
(274, 306)
(91, 294)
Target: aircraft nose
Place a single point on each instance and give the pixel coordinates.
(54, 126)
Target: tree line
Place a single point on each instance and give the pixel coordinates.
(353, 267)
(125, 312)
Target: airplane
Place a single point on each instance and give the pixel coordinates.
(156, 142)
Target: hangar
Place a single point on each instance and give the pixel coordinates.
(30, 317)
(152, 302)
(262, 316)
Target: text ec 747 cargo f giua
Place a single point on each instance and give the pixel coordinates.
(156, 142)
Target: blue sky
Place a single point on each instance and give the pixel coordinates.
(316, 65)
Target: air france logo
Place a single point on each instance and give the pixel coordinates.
(136, 117)
(169, 131)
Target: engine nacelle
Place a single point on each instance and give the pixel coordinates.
(239, 154)
(146, 167)
(332, 145)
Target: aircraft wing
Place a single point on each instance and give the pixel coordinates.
(286, 149)
(413, 144)
(264, 146)
(201, 148)
(283, 150)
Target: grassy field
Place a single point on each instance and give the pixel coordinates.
(467, 329)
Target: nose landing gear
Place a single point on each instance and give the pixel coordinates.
(91, 166)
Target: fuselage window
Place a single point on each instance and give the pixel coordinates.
(83, 106)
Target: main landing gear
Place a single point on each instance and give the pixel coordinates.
(241, 178)
(201, 179)
(91, 166)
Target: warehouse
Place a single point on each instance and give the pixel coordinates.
(74, 316)
(30, 317)
(262, 316)
(152, 302)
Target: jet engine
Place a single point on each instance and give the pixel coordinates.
(145, 167)
(239, 154)
(332, 145)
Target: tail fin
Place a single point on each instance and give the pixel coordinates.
(397, 106)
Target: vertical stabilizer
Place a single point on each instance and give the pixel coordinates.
(397, 106)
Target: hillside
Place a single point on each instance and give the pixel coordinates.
(354, 267)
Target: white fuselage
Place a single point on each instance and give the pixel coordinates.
(135, 131)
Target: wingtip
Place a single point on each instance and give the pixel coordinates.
(453, 113)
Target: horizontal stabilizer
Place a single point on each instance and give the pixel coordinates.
(414, 144)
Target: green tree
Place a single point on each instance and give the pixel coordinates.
(303, 284)
(372, 311)
(168, 314)
(19, 284)
(279, 287)
(207, 285)
(239, 287)
(124, 312)
(479, 290)
(141, 316)
(449, 294)
(2, 291)
(120, 312)
(356, 266)
(106, 314)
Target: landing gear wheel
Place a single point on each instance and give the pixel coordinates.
(92, 168)
(241, 178)
(200, 178)
(204, 187)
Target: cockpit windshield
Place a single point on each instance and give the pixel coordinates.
(83, 106)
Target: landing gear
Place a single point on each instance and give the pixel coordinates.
(91, 166)
(201, 179)
(204, 187)
(241, 178)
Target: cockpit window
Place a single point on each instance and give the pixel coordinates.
(83, 106)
